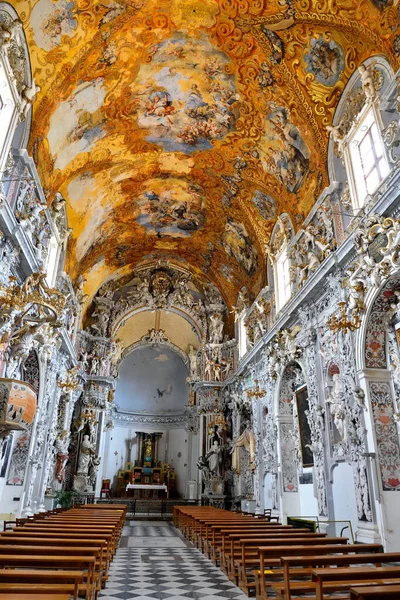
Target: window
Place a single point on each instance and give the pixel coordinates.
(282, 278)
(242, 335)
(7, 115)
(51, 266)
(368, 160)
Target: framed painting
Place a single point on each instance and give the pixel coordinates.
(304, 427)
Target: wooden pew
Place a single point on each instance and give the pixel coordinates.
(344, 579)
(38, 588)
(33, 596)
(217, 535)
(85, 563)
(375, 592)
(270, 557)
(292, 566)
(248, 555)
(70, 529)
(23, 550)
(85, 540)
(41, 577)
(61, 538)
(234, 543)
(201, 528)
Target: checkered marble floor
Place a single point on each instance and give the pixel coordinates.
(154, 561)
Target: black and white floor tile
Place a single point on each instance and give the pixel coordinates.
(154, 561)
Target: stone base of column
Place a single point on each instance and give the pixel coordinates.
(368, 533)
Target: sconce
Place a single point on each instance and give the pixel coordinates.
(342, 323)
(256, 392)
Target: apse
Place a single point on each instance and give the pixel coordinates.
(152, 380)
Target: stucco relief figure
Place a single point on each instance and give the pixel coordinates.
(62, 458)
(93, 468)
(216, 328)
(8, 261)
(85, 457)
(94, 367)
(28, 96)
(101, 314)
(335, 401)
(9, 32)
(367, 80)
(193, 362)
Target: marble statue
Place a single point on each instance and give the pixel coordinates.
(214, 458)
(85, 456)
(193, 362)
(216, 328)
(28, 95)
(336, 403)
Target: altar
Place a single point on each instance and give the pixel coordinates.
(138, 490)
(147, 477)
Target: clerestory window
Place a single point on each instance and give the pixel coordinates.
(369, 165)
(282, 278)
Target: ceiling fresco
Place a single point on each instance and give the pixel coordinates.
(181, 129)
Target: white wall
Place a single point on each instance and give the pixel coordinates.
(344, 496)
(308, 501)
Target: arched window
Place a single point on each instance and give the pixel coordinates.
(283, 285)
(242, 305)
(365, 156)
(279, 256)
(364, 138)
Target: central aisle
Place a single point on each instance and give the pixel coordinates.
(154, 561)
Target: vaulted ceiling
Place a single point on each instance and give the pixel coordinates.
(180, 129)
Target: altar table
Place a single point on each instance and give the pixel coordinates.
(146, 490)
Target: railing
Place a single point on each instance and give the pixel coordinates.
(340, 528)
(159, 508)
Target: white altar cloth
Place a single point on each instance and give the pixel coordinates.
(140, 486)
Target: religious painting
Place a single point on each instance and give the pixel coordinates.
(175, 209)
(52, 20)
(237, 243)
(82, 118)
(227, 272)
(282, 150)
(5, 451)
(382, 4)
(325, 60)
(19, 458)
(266, 78)
(304, 427)
(396, 45)
(265, 205)
(187, 94)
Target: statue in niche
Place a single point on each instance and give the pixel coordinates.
(93, 468)
(216, 328)
(85, 456)
(214, 458)
(193, 362)
(336, 404)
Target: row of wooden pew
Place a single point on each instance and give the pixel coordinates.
(60, 555)
(271, 559)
